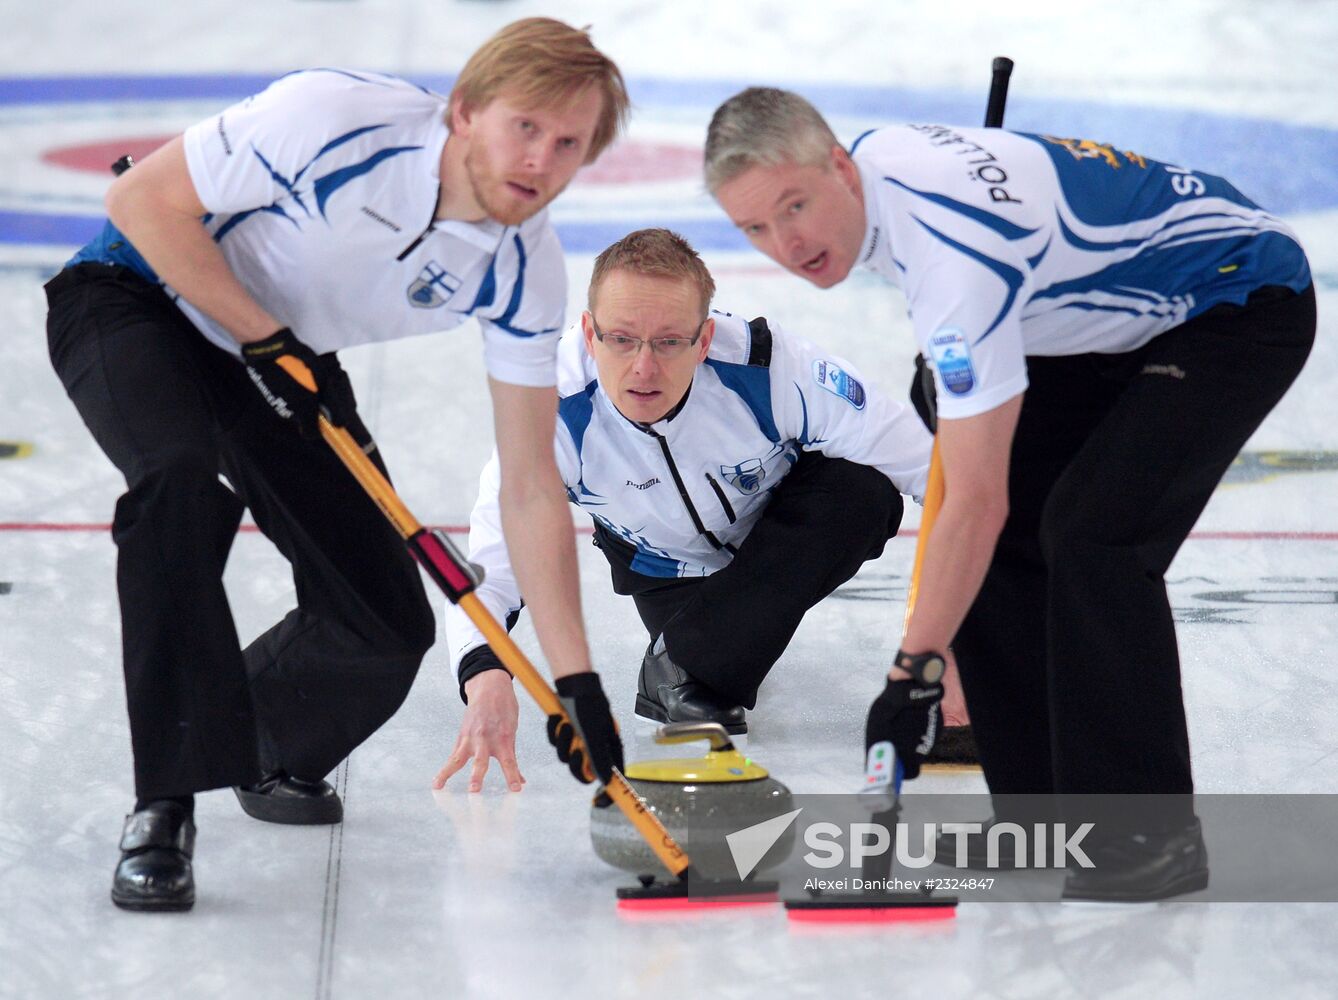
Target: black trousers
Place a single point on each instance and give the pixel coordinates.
(172, 412)
(1068, 656)
(727, 630)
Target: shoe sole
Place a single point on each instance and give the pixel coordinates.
(289, 813)
(139, 904)
(648, 711)
(1192, 882)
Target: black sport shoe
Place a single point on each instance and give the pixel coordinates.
(154, 872)
(1141, 867)
(281, 798)
(667, 693)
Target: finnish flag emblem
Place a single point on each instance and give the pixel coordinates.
(746, 477)
(433, 286)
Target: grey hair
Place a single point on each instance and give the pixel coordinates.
(764, 127)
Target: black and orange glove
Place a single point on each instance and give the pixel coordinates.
(590, 719)
(298, 384)
(903, 723)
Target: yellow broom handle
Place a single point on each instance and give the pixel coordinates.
(933, 502)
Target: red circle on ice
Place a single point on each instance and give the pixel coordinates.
(625, 163)
(98, 157)
(642, 163)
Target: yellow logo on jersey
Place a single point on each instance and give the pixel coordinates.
(1086, 149)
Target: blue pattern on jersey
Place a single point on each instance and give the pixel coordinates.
(335, 143)
(1074, 240)
(518, 289)
(649, 563)
(1138, 293)
(1106, 307)
(585, 499)
(487, 289)
(227, 227)
(647, 559)
(1034, 262)
(1193, 276)
(753, 385)
(576, 411)
(503, 322)
(862, 136)
(333, 181)
(111, 247)
(1003, 227)
(803, 438)
(1104, 187)
(1011, 276)
(282, 181)
(803, 407)
(323, 187)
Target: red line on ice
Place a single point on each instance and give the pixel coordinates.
(463, 529)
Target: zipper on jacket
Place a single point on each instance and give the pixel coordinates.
(724, 500)
(417, 240)
(431, 224)
(715, 543)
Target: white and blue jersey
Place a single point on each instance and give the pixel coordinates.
(684, 492)
(321, 193)
(1009, 244)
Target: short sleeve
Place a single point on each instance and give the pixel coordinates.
(522, 327)
(259, 150)
(828, 406)
(966, 310)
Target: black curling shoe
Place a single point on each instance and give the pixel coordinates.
(667, 693)
(1141, 868)
(155, 871)
(281, 798)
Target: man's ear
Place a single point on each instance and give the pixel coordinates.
(461, 118)
(704, 344)
(588, 328)
(845, 168)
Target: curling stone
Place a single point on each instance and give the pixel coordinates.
(700, 800)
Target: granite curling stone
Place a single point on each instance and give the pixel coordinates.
(700, 800)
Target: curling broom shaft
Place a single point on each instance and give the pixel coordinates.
(671, 855)
(994, 109)
(933, 501)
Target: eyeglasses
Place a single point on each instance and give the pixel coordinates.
(663, 347)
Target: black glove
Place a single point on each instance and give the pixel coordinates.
(924, 395)
(588, 709)
(905, 715)
(272, 364)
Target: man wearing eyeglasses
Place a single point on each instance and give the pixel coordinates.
(736, 476)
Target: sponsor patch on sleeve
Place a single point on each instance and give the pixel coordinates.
(952, 359)
(839, 382)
